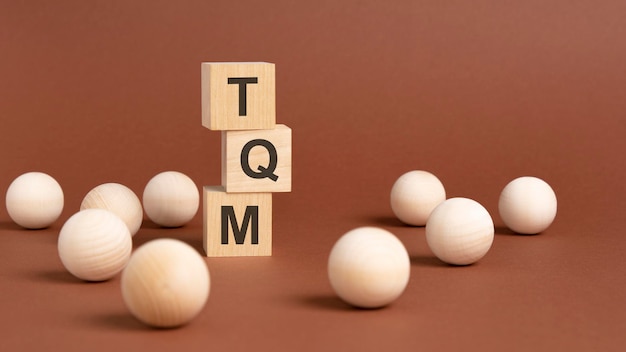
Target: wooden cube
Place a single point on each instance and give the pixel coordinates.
(257, 160)
(236, 224)
(238, 95)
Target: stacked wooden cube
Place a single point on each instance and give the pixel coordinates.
(239, 99)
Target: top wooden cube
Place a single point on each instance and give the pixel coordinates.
(238, 95)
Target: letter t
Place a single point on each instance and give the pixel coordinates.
(243, 82)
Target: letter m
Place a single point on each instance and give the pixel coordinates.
(228, 217)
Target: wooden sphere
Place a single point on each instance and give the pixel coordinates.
(118, 199)
(527, 205)
(171, 199)
(166, 283)
(34, 200)
(460, 231)
(94, 244)
(369, 267)
(414, 196)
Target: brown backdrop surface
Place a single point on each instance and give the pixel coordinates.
(476, 92)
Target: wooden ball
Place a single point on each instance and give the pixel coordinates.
(414, 196)
(94, 244)
(118, 199)
(527, 205)
(166, 283)
(34, 200)
(369, 267)
(460, 231)
(171, 199)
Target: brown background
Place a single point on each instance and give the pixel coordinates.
(477, 92)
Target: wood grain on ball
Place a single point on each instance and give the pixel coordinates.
(171, 199)
(369, 267)
(94, 244)
(120, 200)
(527, 205)
(34, 200)
(414, 195)
(460, 231)
(166, 283)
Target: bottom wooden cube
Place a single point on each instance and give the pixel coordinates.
(236, 224)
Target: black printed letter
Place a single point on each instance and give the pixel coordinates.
(242, 82)
(251, 214)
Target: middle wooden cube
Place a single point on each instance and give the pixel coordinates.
(257, 160)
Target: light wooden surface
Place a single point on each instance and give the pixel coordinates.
(527, 205)
(414, 195)
(34, 200)
(94, 244)
(234, 179)
(369, 267)
(460, 231)
(171, 199)
(220, 100)
(214, 198)
(166, 283)
(120, 200)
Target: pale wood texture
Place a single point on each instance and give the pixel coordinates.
(527, 205)
(120, 200)
(214, 197)
(171, 199)
(234, 179)
(221, 100)
(94, 244)
(369, 267)
(460, 231)
(166, 283)
(414, 195)
(34, 200)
